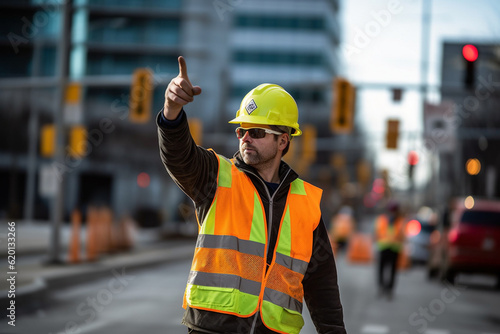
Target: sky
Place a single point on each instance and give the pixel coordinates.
(382, 44)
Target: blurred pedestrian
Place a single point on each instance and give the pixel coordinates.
(342, 227)
(262, 245)
(389, 233)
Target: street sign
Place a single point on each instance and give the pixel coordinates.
(439, 125)
(47, 183)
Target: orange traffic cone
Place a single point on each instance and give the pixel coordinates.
(92, 251)
(360, 248)
(102, 244)
(74, 246)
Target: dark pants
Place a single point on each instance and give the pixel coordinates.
(387, 269)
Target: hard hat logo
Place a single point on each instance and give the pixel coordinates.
(269, 104)
(251, 106)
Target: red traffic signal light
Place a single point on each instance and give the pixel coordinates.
(412, 158)
(469, 52)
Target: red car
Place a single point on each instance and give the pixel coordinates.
(471, 242)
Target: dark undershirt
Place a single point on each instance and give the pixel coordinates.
(272, 187)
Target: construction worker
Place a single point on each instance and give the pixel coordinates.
(262, 246)
(389, 233)
(342, 225)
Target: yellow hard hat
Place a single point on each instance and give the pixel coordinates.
(269, 104)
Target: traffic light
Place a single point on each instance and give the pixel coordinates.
(77, 141)
(397, 94)
(412, 158)
(48, 140)
(470, 55)
(392, 134)
(309, 143)
(141, 95)
(412, 162)
(343, 106)
(363, 172)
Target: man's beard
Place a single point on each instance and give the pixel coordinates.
(255, 157)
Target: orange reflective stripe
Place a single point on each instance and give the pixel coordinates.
(285, 280)
(226, 261)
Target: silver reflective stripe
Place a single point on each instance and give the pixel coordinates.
(224, 281)
(282, 299)
(296, 265)
(230, 242)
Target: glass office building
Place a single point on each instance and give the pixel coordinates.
(230, 47)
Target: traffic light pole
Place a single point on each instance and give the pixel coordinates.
(62, 79)
(424, 75)
(33, 125)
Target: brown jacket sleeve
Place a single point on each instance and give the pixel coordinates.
(193, 168)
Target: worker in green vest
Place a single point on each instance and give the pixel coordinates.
(389, 232)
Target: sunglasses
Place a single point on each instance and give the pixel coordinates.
(255, 133)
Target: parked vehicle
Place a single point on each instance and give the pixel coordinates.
(470, 243)
(418, 235)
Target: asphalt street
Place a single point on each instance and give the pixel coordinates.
(149, 301)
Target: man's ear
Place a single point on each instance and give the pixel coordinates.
(284, 141)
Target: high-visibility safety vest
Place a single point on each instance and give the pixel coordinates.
(389, 236)
(229, 275)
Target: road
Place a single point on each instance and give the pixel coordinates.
(148, 301)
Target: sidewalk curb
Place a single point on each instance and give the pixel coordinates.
(34, 296)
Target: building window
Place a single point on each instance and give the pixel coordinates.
(149, 4)
(280, 22)
(99, 63)
(283, 58)
(128, 30)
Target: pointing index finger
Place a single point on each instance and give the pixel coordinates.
(183, 68)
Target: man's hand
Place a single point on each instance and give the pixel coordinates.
(179, 92)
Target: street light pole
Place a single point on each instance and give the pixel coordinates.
(33, 125)
(424, 77)
(62, 79)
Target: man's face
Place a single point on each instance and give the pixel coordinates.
(258, 151)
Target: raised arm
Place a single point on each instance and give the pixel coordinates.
(192, 167)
